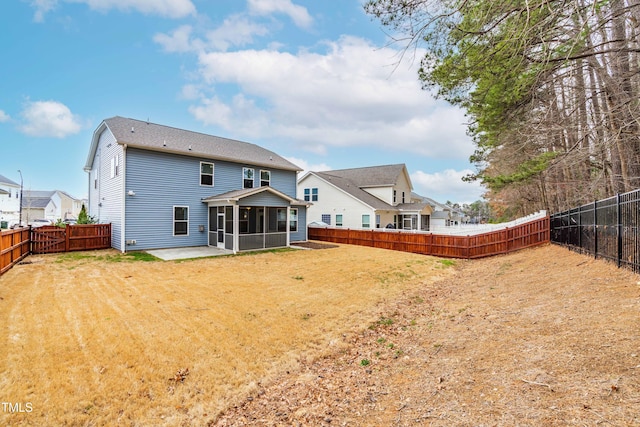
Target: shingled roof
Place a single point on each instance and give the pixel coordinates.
(354, 181)
(5, 180)
(152, 136)
(371, 176)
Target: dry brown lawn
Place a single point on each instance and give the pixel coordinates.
(345, 336)
(94, 339)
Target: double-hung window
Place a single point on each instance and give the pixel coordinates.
(310, 194)
(181, 220)
(206, 174)
(293, 220)
(338, 220)
(247, 177)
(366, 221)
(265, 178)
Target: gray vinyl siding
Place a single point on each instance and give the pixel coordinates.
(161, 181)
(105, 202)
(301, 234)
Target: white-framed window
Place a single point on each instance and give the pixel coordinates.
(181, 220)
(115, 166)
(338, 220)
(95, 179)
(265, 178)
(394, 196)
(377, 221)
(293, 219)
(310, 194)
(366, 221)
(247, 177)
(326, 218)
(206, 174)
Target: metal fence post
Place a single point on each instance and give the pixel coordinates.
(595, 229)
(619, 229)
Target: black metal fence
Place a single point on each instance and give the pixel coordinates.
(606, 229)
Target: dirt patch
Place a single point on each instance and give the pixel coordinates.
(313, 245)
(542, 337)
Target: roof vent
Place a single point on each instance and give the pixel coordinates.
(164, 143)
(132, 129)
(189, 148)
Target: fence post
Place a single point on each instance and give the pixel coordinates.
(619, 228)
(595, 229)
(66, 237)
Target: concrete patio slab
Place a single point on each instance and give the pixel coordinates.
(190, 252)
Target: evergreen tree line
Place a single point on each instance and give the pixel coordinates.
(550, 89)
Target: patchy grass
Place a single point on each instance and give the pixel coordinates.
(104, 338)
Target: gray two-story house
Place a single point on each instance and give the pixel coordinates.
(163, 187)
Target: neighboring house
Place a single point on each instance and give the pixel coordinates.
(443, 215)
(9, 200)
(163, 187)
(52, 205)
(369, 197)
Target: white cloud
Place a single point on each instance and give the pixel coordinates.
(348, 95)
(179, 40)
(236, 30)
(4, 117)
(447, 186)
(42, 7)
(167, 8)
(298, 14)
(307, 167)
(49, 119)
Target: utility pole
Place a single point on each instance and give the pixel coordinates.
(20, 220)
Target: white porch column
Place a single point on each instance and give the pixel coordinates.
(236, 228)
(288, 226)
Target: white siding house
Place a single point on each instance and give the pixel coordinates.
(163, 187)
(9, 200)
(370, 197)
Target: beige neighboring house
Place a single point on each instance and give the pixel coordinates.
(51, 205)
(361, 198)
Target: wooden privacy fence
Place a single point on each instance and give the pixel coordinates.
(81, 237)
(470, 247)
(17, 244)
(14, 246)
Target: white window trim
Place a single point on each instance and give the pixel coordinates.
(213, 168)
(253, 180)
(292, 210)
(362, 220)
(173, 223)
(268, 180)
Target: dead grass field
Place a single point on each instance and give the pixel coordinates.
(93, 338)
(540, 337)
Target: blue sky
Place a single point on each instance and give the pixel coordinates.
(315, 81)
